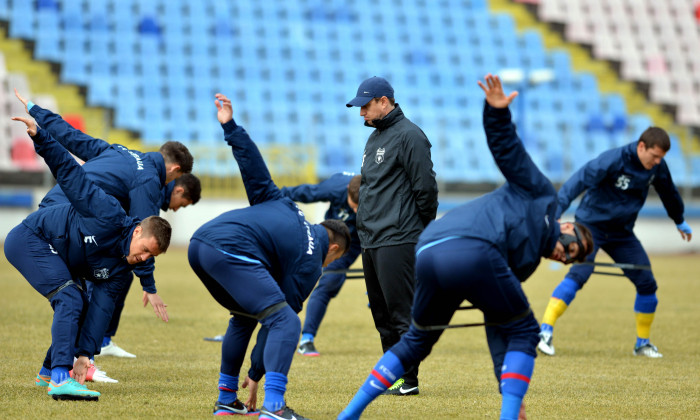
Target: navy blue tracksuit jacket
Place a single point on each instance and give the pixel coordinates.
(91, 234)
(616, 186)
(272, 230)
(335, 191)
(519, 217)
(132, 177)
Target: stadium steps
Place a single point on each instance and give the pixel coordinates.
(43, 80)
(608, 79)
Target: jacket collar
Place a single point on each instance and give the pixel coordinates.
(631, 150)
(125, 241)
(390, 119)
(168, 193)
(159, 162)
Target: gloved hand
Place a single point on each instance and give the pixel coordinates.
(685, 230)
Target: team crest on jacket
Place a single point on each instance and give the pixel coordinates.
(101, 273)
(379, 157)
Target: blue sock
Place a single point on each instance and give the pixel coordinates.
(59, 374)
(641, 342)
(307, 337)
(511, 402)
(228, 388)
(546, 328)
(275, 387)
(45, 371)
(515, 379)
(106, 341)
(645, 303)
(566, 290)
(387, 370)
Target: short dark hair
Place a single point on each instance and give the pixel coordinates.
(587, 236)
(655, 136)
(354, 188)
(177, 153)
(392, 101)
(192, 187)
(160, 229)
(338, 233)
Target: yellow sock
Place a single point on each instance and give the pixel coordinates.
(643, 324)
(555, 309)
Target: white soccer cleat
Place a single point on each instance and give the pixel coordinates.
(648, 350)
(98, 375)
(112, 349)
(94, 374)
(545, 344)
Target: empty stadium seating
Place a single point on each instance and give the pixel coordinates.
(290, 67)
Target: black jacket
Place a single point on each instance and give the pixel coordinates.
(398, 193)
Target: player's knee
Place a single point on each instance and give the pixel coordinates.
(283, 319)
(523, 336)
(69, 300)
(646, 286)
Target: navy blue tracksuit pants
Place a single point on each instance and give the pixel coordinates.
(471, 269)
(328, 287)
(46, 271)
(624, 248)
(247, 287)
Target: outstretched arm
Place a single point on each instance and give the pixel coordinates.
(77, 142)
(672, 201)
(311, 193)
(87, 198)
(256, 177)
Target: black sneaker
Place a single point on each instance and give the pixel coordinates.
(400, 388)
(285, 413)
(307, 348)
(237, 407)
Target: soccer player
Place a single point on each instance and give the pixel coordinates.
(57, 248)
(398, 198)
(616, 185)
(261, 263)
(481, 252)
(342, 191)
(180, 193)
(134, 178)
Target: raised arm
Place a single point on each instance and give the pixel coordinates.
(256, 177)
(507, 149)
(77, 142)
(87, 198)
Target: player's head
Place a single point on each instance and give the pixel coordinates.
(150, 238)
(354, 192)
(338, 239)
(575, 243)
(178, 159)
(375, 97)
(187, 190)
(652, 146)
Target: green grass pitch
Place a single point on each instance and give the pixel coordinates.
(593, 375)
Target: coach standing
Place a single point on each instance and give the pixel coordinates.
(398, 198)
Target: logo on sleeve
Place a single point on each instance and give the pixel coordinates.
(101, 273)
(90, 240)
(379, 157)
(623, 182)
(343, 214)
